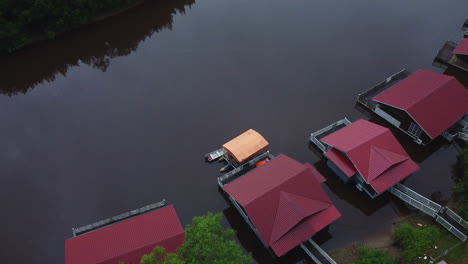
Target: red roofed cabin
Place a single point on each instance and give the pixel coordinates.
(127, 240)
(368, 155)
(283, 202)
(453, 54)
(424, 105)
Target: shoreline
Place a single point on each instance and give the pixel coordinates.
(106, 15)
(349, 253)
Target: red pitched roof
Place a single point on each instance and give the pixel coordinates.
(462, 48)
(435, 101)
(128, 240)
(374, 152)
(285, 202)
(341, 161)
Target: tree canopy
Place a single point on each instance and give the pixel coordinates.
(373, 256)
(26, 20)
(206, 242)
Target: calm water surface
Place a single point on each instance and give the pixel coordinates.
(119, 114)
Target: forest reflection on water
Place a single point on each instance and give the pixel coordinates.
(95, 44)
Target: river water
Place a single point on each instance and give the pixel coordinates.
(119, 114)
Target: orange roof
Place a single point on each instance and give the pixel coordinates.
(246, 145)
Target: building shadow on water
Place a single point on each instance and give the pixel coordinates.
(250, 242)
(349, 193)
(95, 44)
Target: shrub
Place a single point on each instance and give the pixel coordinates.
(373, 256)
(415, 242)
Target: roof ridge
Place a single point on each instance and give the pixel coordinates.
(384, 156)
(297, 209)
(270, 241)
(382, 131)
(391, 163)
(375, 148)
(277, 186)
(450, 78)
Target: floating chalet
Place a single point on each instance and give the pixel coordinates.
(283, 203)
(126, 237)
(424, 105)
(241, 149)
(453, 55)
(369, 156)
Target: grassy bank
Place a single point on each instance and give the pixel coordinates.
(26, 21)
(415, 239)
(461, 188)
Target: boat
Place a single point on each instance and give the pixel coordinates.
(214, 155)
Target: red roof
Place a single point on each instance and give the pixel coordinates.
(128, 240)
(374, 152)
(462, 48)
(434, 100)
(284, 201)
(341, 161)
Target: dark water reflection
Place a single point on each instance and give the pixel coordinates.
(114, 116)
(96, 45)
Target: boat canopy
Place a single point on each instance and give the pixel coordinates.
(246, 145)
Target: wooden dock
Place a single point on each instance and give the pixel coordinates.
(442, 215)
(446, 58)
(315, 137)
(317, 254)
(109, 221)
(242, 169)
(366, 98)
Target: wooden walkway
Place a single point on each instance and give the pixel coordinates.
(236, 173)
(366, 98)
(446, 58)
(109, 221)
(442, 215)
(315, 137)
(316, 253)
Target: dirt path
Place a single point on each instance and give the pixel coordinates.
(349, 253)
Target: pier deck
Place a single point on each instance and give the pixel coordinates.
(315, 138)
(444, 55)
(109, 221)
(365, 98)
(446, 58)
(443, 215)
(316, 253)
(242, 169)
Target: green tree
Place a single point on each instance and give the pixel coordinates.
(207, 242)
(414, 241)
(160, 256)
(373, 256)
(26, 20)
